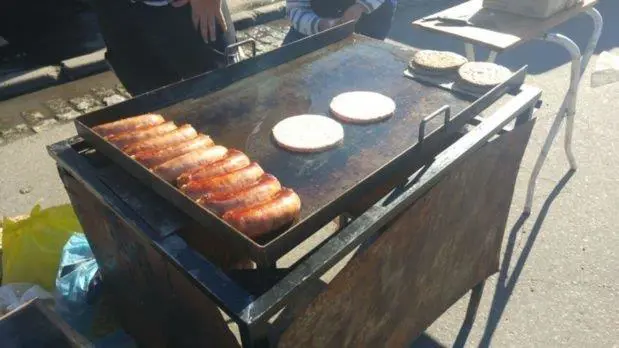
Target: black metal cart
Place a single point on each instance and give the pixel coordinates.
(426, 198)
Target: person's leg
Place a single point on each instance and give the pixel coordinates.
(178, 44)
(292, 36)
(378, 23)
(128, 53)
(150, 47)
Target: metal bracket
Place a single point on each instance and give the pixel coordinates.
(445, 109)
(231, 50)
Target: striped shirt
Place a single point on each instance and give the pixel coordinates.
(305, 20)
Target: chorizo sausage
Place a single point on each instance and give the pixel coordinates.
(232, 181)
(179, 135)
(129, 124)
(258, 220)
(173, 168)
(123, 140)
(234, 160)
(260, 192)
(151, 159)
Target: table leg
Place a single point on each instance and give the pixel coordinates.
(492, 56)
(470, 51)
(568, 107)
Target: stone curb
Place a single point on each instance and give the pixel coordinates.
(86, 65)
(93, 63)
(31, 81)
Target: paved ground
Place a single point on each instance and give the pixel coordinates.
(559, 284)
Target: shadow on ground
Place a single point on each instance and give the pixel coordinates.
(507, 281)
(540, 56)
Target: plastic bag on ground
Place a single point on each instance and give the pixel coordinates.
(32, 247)
(79, 300)
(606, 70)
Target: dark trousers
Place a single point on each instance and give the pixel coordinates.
(375, 25)
(149, 47)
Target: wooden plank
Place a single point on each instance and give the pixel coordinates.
(428, 257)
(497, 30)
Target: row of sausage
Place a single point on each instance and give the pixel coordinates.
(223, 180)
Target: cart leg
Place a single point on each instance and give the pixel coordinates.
(598, 23)
(567, 110)
(571, 107)
(470, 51)
(541, 159)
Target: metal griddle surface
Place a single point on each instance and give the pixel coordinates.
(243, 114)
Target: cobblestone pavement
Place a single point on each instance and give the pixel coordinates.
(39, 111)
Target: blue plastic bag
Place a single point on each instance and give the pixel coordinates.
(78, 268)
(79, 299)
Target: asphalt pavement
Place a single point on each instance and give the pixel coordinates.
(559, 280)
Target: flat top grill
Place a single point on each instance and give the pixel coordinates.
(243, 115)
(238, 109)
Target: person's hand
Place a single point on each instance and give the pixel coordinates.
(205, 15)
(327, 23)
(353, 13)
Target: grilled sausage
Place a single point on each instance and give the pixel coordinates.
(179, 135)
(234, 160)
(129, 124)
(151, 159)
(266, 217)
(260, 192)
(232, 181)
(173, 168)
(125, 139)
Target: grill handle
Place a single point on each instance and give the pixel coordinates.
(231, 50)
(445, 110)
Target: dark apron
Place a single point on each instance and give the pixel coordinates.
(150, 47)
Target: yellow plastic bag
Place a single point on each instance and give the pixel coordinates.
(32, 247)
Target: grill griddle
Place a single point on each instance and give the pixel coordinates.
(239, 111)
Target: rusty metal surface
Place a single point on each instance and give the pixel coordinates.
(162, 308)
(442, 246)
(243, 114)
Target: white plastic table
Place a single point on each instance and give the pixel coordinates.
(500, 31)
